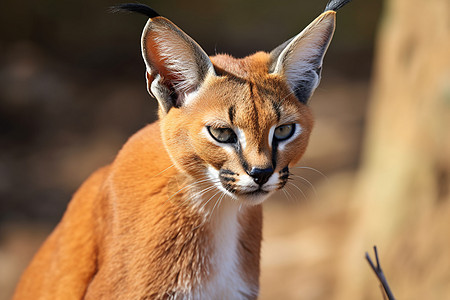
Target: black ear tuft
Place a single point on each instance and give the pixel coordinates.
(336, 4)
(134, 7)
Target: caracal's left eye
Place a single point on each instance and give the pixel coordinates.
(284, 132)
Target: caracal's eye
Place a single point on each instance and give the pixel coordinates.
(284, 132)
(223, 134)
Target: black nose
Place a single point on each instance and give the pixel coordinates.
(261, 176)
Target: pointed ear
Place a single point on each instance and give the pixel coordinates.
(300, 59)
(176, 65)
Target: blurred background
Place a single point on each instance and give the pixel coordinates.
(377, 171)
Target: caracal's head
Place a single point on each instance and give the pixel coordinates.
(238, 124)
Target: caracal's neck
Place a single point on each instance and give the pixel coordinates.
(226, 220)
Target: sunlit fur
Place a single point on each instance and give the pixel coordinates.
(177, 214)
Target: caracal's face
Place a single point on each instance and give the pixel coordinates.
(235, 125)
(240, 133)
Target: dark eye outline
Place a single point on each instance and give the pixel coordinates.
(291, 133)
(231, 139)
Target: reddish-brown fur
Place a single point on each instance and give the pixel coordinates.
(136, 229)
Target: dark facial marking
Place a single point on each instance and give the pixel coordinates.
(284, 176)
(226, 172)
(231, 113)
(237, 148)
(252, 95)
(227, 179)
(276, 108)
(274, 153)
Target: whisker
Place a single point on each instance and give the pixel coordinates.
(188, 186)
(203, 207)
(308, 182)
(198, 194)
(315, 170)
(290, 198)
(173, 165)
(204, 191)
(217, 202)
(285, 194)
(191, 186)
(301, 191)
(210, 198)
(295, 199)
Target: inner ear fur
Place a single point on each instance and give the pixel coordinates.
(176, 64)
(299, 60)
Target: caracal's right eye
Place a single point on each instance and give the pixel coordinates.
(222, 134)
(284, 132)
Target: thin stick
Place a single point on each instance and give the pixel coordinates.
(380, 275)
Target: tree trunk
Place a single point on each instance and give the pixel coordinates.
(401, 200)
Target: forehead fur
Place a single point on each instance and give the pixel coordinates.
(253, 66)
(251, 85)
(245, 95)
(252, 72)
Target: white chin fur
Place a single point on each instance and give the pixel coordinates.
(253, 199)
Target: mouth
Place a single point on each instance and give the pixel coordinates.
(258, 192)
